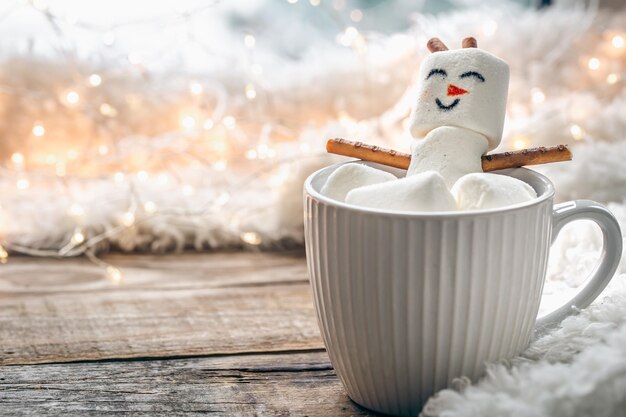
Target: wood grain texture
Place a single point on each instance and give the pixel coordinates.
(300, 384)
(174, 305)
(24, 276)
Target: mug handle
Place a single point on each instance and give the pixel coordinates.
(609, 260)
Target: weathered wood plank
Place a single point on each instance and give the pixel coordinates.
(26, 276)
(302, 384)
(163, 308)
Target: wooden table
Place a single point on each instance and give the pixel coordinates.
(222, 333)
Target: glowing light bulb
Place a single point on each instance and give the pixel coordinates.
(348, 36)
(222, 199)
(195, 88)
(577, 132)
(188, 190)
(142, 175)
(356, 15)
(187, 122)
(262, 150)
(520, 142)
(78, 237)
(103, 150)
(118, 176)
(250, 92)
(251, 238)
(38, 130)
(208, 124)
(17, 159)
(346, 120)
(107, 110)
(220, 165)
(593, 64)
(114, 274)
(95, 80)
(76, 210)
(249, 41)
(617, 42)
(4, 256)
(251, 154)
(489, 28)
(537, 95)
(128, 218)
(22, 184)
(150, 207)
(72, 98)
(612, 78)
(230, 122)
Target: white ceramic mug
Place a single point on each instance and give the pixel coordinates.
(406, 302)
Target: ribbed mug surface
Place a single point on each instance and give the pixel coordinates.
(408, 302)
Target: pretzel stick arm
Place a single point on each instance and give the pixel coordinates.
(492, 162)
(369, 153)
(531, 156)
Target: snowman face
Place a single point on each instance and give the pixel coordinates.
(463, 88)
(453, 92)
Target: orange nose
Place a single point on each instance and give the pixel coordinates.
(453, 90)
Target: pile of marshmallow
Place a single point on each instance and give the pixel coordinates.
(459, 116)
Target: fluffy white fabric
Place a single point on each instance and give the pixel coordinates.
(451, 151)
(462, 87)
(543, 50)
(350, 176)
(422, 192)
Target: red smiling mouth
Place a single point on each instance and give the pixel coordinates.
(453, 90)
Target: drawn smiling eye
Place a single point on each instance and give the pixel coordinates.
(474, 74)
(437, 71)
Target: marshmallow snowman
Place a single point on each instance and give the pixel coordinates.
(458, 117)
(460, 111)
(459, 114)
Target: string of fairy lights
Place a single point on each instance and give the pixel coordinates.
(606, 68)
(27, 165)
(216, 136)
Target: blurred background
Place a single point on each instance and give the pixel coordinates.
(155, 126)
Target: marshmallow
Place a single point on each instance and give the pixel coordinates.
(350, 176)
(423, 192)
(451, 151)
(487, 191)
(464, 88)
